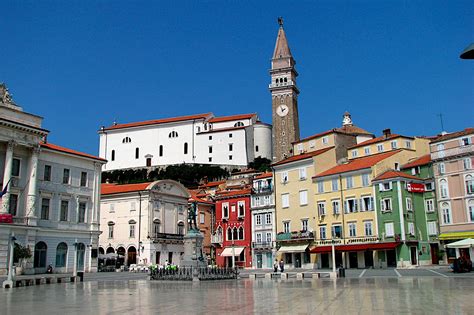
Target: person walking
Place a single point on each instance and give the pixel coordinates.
(275, 266)
(282, 266)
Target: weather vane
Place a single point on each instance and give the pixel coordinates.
(280, 21)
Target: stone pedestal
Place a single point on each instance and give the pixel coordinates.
(193, 255)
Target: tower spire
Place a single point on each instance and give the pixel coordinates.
(282, 50)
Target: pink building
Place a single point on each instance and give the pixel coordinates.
(453, 158)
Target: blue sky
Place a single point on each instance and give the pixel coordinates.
(392, 64)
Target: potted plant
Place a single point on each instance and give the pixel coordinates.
(20, 255)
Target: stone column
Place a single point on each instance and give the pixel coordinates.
(7, 175)
(32, 187)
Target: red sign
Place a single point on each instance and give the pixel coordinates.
(417, 188)
(6, 218)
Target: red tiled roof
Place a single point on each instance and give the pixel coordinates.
(358, 164)
(302, 156)
(108, 189)
(213, 184)
(315, 136)
(196, 196)
(378, 139)
(69, 151)
(264, 175)
(159, 121)
(425, 159)
(230, 118)
(231, 193)
(453, 135)
(394, 174)
(344, 129)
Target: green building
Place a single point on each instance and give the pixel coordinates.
(406, 214)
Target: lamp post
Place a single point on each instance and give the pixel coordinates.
(333, 249)
(233, 253)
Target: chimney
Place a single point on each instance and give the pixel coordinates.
(386, 132)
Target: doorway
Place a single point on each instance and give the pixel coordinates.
(369, 258)
(324, 261)
(413, 254)
(131, 255)
(259, 261)
(391, 258)
(434, 254)
(297, 260)
(353, 263)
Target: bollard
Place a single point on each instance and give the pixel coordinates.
(284, 275)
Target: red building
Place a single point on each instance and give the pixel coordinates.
(233, 225)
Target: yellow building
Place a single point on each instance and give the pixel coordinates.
(296, 217)
(346, 210)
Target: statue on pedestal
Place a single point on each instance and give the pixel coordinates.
(192, 209)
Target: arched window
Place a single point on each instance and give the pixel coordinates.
(156, 227)
(161, 150)
(81, 253)
(443, 188)
(111, 229)
(241, 233)
(219, 232)
(276, 80)
(256, 148)
(137, 153)
(113, 155)
(126, 140)
(229, 234)
(40, 255)
(101, 251)
(239, 124)
(61, 255)
(173, 134)
(185, 148)
(470, 206)
(235, 234)
(446, 213)
(181, 228)
(148, 162)
(110, 250)
(285, 79)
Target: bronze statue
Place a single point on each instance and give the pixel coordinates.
(192, 209)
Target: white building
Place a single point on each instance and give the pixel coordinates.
(144, 222)
(231, 141)
(52, 201)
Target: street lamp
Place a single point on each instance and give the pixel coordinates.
(233, 253)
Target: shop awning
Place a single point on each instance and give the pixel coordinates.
(228, 251)
(456, 235)
(355, 247)
(293, 249)
(467, 243)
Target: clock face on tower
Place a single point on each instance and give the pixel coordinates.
(282, 110)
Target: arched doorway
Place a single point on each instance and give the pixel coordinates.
(121, 256)
(61, 255)
(110, 250)
(40, 255)
(132, 255)
(81, 253)
(101, 251)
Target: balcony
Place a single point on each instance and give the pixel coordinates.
(261, 245)
(263, 190)
(295, 235)
(457, 151)
(167, 237)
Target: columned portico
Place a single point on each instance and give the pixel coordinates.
(7, 175)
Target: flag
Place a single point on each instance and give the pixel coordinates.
(4, 191)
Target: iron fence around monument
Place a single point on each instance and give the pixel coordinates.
(188, 273)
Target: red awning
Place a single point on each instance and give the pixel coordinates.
(355, 247)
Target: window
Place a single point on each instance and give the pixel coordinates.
(443, 188)
(467, 163)
(303, 197)
(394, 144)
(126, 140)
(367, 151)
(304, 225)
(225, 210)
(210, 159)
(137, 153)
(131, 232)
(13, 205)
(286, 227)
(352, 229)
(82, 212)
(354, 153)
(312, 143)
(231, 147)
(441, 168)
(469, 184)
(446, 213)
(268, 218)
(148, 162)
(156, 227)
(368, 228)
(83, 179)
(325, 140)
(258, 219)
(386, 205)
(45, 209)
(63, 216)
(389, 229)
(470, 206)
(239, 124)
(66, 175)
(269, 237)
(230, 157)
(432, 228)
(241, 233)
(230, 135)
(397, 166)
(210, 137)
(285, 200)
(61, 254)
(111, 229)
(411, 228)
(365, 180)
(202, 218)
(210, 149)
(351, 206)
(161, 150)
(256, 148)
(185, 148)
(320, 186)
(256, 201)
(379, 147)
(322, 232)
(367, 203)
(465, 141)
(429, 205)
(180, 228)
(241, 206)
(302, 172)
(409, 204)
(16, 167)
(112, 207)
(349, 182)
(385, 186)
(335, 184)
(284, 177)
(173, 134)
(47, 173)
(259, 238)
(429, 186)
(321, 208)
(335, 207)
(408, 144)
(336, 231)
(113, 155)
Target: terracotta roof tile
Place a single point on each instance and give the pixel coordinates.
(213, 184)
(196, 196)
(357, 164)
(425, 159)
(230, 118)
(453, 135)
(232, 193)
(303, 156)
(378, 139)
(264, 175)
(108, 189)
(344, 129)
(394, 174)
(160, 121)
(69, 151)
